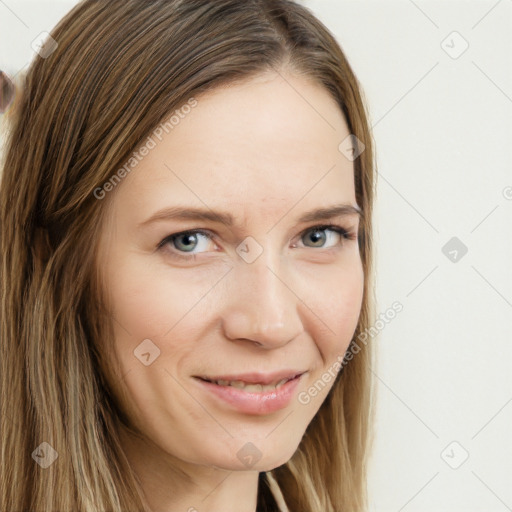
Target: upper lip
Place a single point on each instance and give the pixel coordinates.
(255, 377)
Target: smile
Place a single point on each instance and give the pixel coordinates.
(252, 394)
(249, 387)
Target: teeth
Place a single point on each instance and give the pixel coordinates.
(254, 388)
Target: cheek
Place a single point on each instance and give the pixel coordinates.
(153, 302)
(337, 300)
(151, 299)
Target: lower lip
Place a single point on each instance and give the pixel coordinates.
(263, 402)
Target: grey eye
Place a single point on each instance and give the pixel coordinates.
(319, 235)
(189, 241)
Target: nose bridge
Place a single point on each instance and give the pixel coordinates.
(262, 307)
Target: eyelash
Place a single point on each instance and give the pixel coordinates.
(346, 235)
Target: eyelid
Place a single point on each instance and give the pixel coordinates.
(346, 233)
(168, 238)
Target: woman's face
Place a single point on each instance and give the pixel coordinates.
(263, 293)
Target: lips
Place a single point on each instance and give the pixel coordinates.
(253, 393)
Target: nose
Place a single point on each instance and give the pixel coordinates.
(261, 307)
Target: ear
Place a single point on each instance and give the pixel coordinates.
(7, 91)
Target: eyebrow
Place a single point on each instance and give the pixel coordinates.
(181, 213)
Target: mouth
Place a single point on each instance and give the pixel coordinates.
(250, 386)
(254, 383)
(254, 394)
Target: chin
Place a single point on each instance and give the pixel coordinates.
(258, 455)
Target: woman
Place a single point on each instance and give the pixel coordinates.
(186, 212)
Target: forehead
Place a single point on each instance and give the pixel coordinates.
(257, 147)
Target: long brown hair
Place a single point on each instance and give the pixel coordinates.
(120, 68)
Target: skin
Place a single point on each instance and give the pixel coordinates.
(266, 151)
